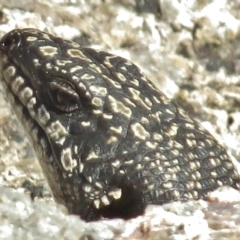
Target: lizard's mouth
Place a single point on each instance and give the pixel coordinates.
(23, 101)
(22, 91)
(40, 129)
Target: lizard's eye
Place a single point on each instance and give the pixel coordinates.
(63, 95)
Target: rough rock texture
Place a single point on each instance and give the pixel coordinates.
(190, 49)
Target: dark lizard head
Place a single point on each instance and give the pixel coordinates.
(108, 141)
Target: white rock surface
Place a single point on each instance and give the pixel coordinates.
(191, 52)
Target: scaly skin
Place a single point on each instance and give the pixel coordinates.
(108, 141)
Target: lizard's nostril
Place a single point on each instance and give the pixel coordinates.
(10, 40)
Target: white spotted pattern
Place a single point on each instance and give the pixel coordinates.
(48, 51)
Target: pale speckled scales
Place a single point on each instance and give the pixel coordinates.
(108, 141)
